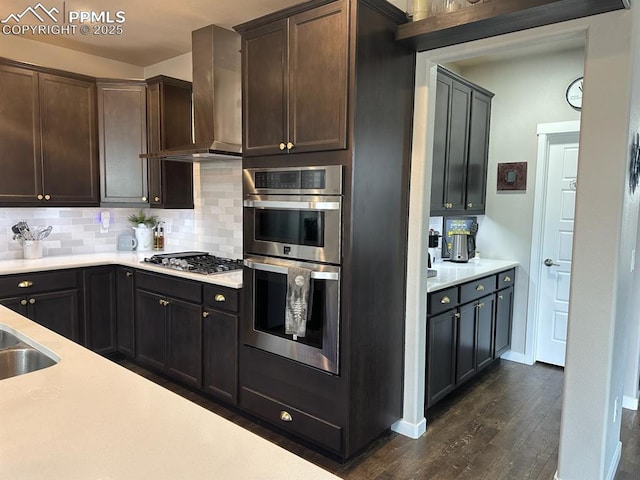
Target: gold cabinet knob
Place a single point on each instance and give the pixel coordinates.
(205, 314)
(40, 197)
(23, 301)
(456, 315)
(480, 288)
(282, 146)
(144, 199)
(286, 416)
(25, 284)
(47, 197)
(445, 300)
(500, 297)
(156, 199)
(129, 274)
(163, 302)
(289, 145)
(507, 279)
(469, 205)
(32, 301)
(220, 298)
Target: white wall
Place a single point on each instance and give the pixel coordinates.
(528, 90)
(177, 67)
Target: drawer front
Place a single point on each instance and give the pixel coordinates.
(506, 279)
(477, 288)
(170, 286)
(30, 283)
(442, 300)
(221, 298)
(292, 420)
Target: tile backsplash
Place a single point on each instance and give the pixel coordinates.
(214, 225)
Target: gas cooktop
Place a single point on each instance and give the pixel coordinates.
(196, 262)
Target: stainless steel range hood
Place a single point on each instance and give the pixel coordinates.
(217, 105)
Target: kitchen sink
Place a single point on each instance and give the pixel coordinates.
(18, 357)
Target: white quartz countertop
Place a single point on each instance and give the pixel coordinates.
(127, 259)
(88, 418)
(450, 273)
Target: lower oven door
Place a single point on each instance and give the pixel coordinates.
(265, 284)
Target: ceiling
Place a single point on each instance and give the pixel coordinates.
(153, 31)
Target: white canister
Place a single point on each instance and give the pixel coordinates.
(32, 249)
(144, 237)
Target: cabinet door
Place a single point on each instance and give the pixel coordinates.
(318, 78)
(57, 311)
(184, 359)
(17, 304)
(440, 140)
(21, 179)
(69, 140)
(466, 343)
(151, 329)
(504, 315)
(478, 152)
(265, 85)
(125, 295)
(220, 355)
(455, 177)
(99, 287)
(484, 329)
(441, 356)
(122, 127)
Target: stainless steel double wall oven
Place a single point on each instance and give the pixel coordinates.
(293, 218)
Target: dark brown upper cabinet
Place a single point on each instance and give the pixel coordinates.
(461, 146)
(122, 131)
(49, 150)
(169, 125)
(294, 83)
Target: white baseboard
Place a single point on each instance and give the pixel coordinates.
(613, 467)
(629, 403)
(411, 430)
(516, 357)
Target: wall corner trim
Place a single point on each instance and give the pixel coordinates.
(411, 430)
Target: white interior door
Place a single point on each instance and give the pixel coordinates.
(557, 245)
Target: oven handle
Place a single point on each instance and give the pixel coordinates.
(268, 267)
(284, 205)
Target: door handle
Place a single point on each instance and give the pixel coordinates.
(549, 263)
(291, 205)
(281, 268)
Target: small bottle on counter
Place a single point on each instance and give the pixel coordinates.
(158, 237)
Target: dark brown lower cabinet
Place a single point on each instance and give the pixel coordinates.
(47, 298)
(99, 295)
(151, 330)
(220, 354)
(184, 342)
(466, 334)
(125, 311)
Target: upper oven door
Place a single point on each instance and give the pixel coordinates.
(302, 227)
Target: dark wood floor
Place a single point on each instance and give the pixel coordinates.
(503, 425)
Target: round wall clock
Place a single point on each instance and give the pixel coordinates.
(574, 93)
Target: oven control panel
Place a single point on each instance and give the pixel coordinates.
(291, 180)
(321, 180)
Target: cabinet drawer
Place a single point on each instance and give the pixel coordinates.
(171, 286)
(442, 300)
(506, 279)
(29, 283)
(293, 420)
(221, 298)
(477, 288)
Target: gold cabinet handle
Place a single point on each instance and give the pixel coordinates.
(282, 146)
(144, 199)
(480, 288)
(220, 298)
(469, 205)
(286, 416)
(23, 301)
(289, 145)
(500, 297)
(507, 279)
(129, 274)
(156, 199)
(32, 301)
(205, 314)
(25, 284)
(163, 302)
(457, 315)
(445, 300)
(40, 197)
(47, 197)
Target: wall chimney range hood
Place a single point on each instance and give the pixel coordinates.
(217, 105)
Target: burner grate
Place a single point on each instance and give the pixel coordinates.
(197, 262)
